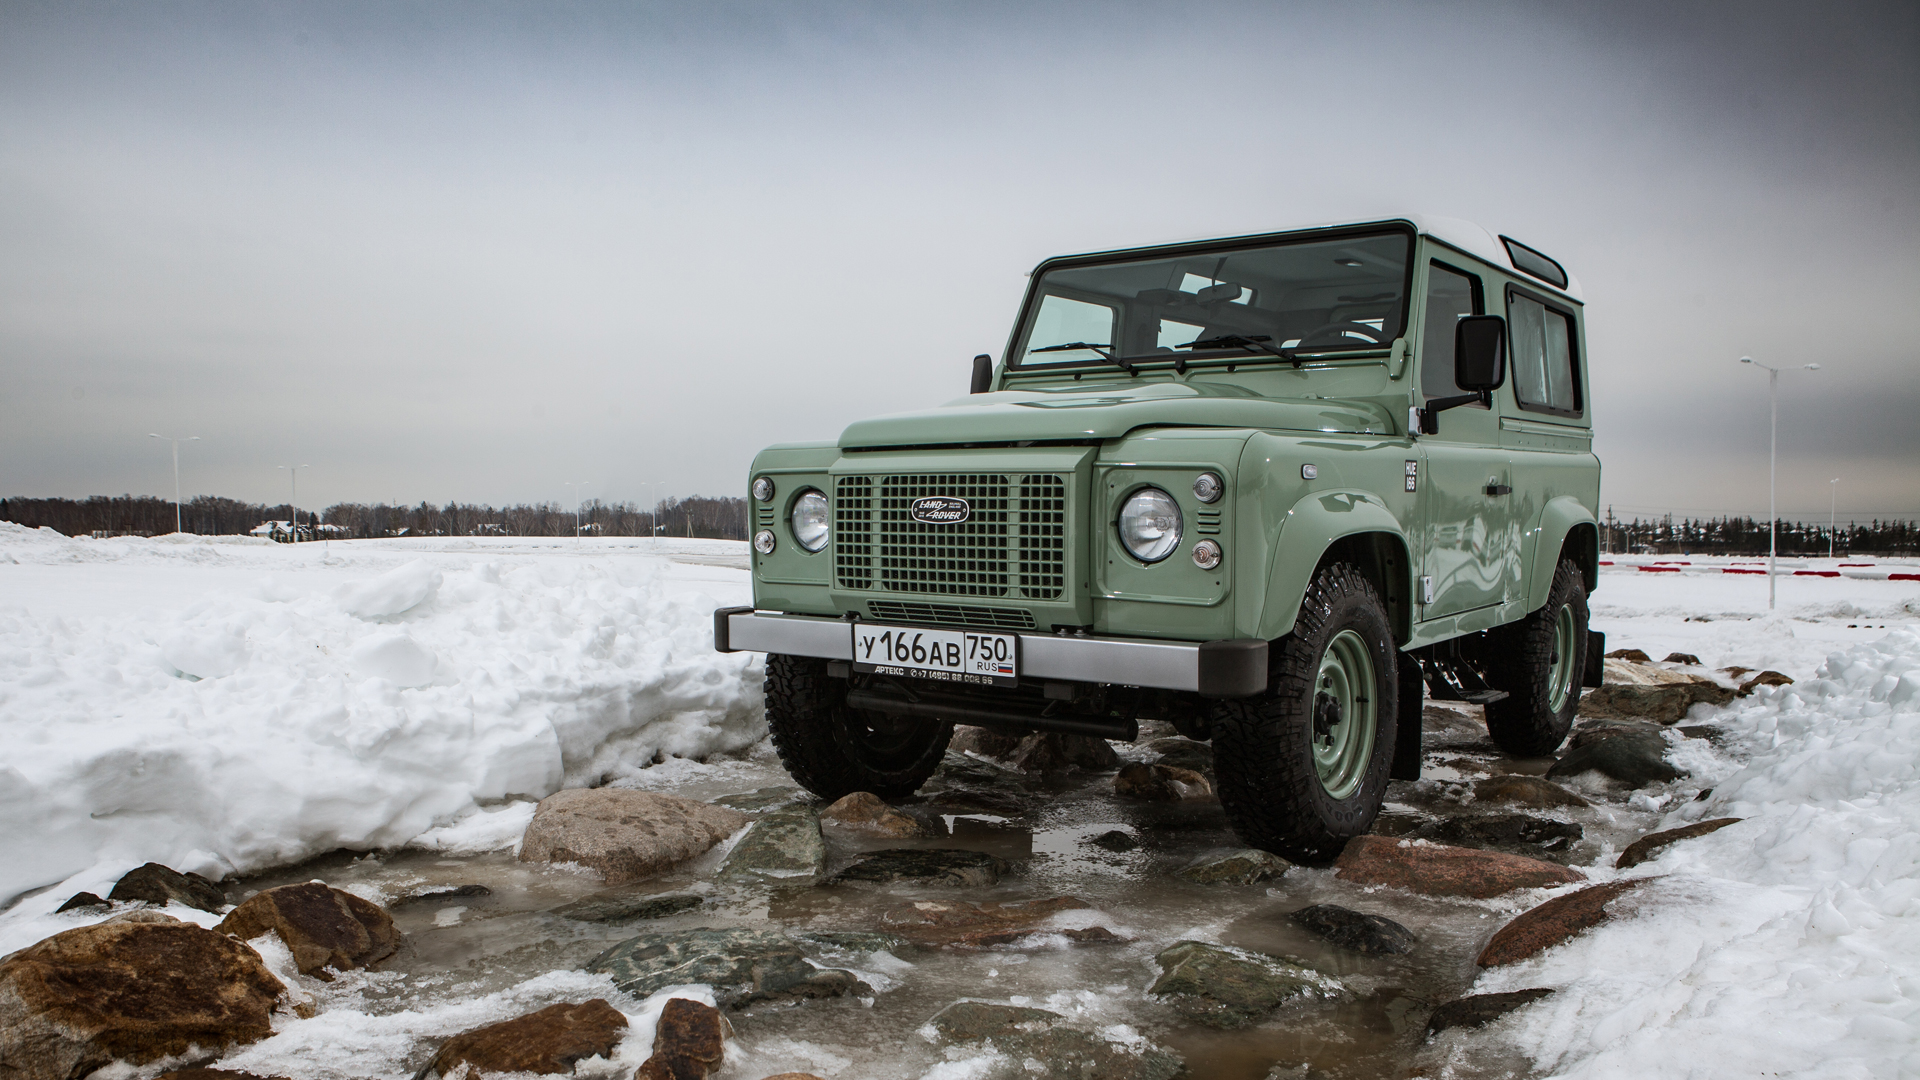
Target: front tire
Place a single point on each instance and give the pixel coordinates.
(1540, 662)
(1302, 768)
(833, 750)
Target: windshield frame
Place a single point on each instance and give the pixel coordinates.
(1235, 356)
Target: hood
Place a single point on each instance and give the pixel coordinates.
(1108, 412)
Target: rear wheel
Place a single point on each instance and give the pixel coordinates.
(1303, 767)
(834, 750)
(1540, 662)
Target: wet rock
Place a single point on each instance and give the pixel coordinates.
(621, 908)
(82, 901)
(1442, 870)
(853, 941)
(1511, 830)
(213, 1074)
(784, 847)
(1634, 655)
(1480, 1009)
(1160, 783)
(1667, 704)
(688, 1043)
(864, 812)
(1633, 757)
(437, 896)
(1629, 673)
(548, 1041)
(1648, 847)
(793, 1076)
(157, 884)
(323, 927)
(1765, 678)
(956, 923)
(1526, 791)
(1682, 658)
(134, 989)
(930, 866)
(624, 835)
(769, 798)
(1229, 988)
(986, 742)
(1040, 752)
(1243, 867)
(1373, 935)
(1039, 1043)
(1112, 840)
(1183, 754)
(1552, 923)
(741, 965)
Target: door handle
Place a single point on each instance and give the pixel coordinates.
(1499, 489)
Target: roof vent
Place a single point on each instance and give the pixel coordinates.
(1529, 261)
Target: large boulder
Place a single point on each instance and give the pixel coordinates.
(1666, 704)
(1633, 754)
(1372, 935)
(323, 927)
(624, 835)
(784, 847)
(938, 923)
(1159, 783)
(158, 884)
(741, 965)
(621, 907)
(1525, 791)
(1552, 923)
(1441, 870)
(688, 1043)
(1480, 1009)
(129, 989)
(865, 812)
(1231, 988)
(927, 866)
(1245, 866)
(1036, 1041)
(548, 1041)
(1650, 845)
(1502, 830)
(1182, 753)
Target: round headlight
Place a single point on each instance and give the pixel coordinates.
(1150, 524)
(812, 520)
(763, 541)
(1207, 487)
(1206, 554)
(763, 489)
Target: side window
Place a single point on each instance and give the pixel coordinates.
(1540, 351)
(1451, 296)
(1062, 320)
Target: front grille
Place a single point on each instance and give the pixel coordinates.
(978, 618)
(1013, 543)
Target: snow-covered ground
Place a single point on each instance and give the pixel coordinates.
(236, 705)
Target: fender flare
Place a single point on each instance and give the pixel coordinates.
(1558, 519)
(1312, 526)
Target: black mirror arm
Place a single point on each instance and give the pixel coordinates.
(1430, 416)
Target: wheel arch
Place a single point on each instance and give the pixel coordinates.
(1567, 530)
(1350, 526)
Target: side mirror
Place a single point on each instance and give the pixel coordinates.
(982, 374)
(1480, 353)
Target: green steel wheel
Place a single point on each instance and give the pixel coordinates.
(1540, 661)
(1302, 768)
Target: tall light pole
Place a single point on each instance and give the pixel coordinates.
(1773, 457)
(293, 475)
(176, 472)
(653, 508)
(576, 503)
(1832, 501)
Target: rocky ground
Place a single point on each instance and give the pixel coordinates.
(1047, 906)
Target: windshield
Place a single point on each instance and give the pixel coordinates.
(1312, 294)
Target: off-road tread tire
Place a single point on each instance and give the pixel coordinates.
(1517, 658)
(1263, 745)
(812, 741)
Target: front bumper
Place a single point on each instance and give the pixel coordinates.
(1235, 668)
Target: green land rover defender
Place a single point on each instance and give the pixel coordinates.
(1259, 488)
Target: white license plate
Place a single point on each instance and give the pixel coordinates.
(965, 656)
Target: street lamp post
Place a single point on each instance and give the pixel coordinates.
(577, 496)
(1773, 457)
(293, 477)
(176, 472)
(1832, 501)
(653, 509)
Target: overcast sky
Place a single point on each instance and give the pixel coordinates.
(475, 251)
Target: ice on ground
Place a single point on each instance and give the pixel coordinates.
(1788, 944)
(355, 703)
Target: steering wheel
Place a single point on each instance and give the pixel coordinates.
(1374, 336)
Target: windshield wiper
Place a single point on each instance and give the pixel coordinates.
(1075, 346)
(1259, 343)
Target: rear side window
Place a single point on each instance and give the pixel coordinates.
(1529, 261)
(1451, 296)
(1540, 353)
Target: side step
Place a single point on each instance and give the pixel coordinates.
(1451, 680)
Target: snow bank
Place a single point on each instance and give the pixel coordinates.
(1788, 944)
(244, 731)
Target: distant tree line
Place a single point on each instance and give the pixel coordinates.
(145, 515)
(1745, 536)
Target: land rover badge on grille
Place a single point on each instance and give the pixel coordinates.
(940, 510)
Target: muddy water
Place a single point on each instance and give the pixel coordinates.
(463, 946)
